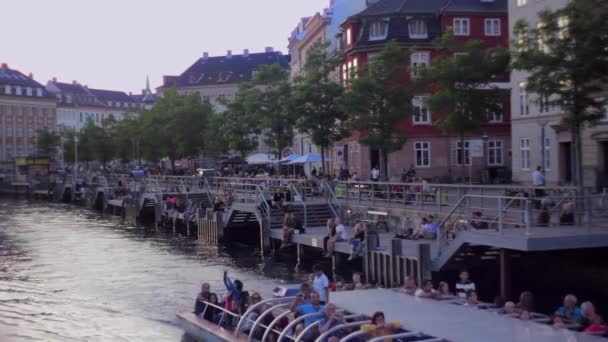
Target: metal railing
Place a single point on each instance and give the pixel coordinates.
(331, 198)
(296, 194)
(338, 327)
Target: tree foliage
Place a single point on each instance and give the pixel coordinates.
(377, 100)
(567, 61)
(47, 141)
(315, 95)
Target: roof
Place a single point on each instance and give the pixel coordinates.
(227, 70)
(496, 6)
(110, 95)
(14, 77)
(71, 88)
(392, 7)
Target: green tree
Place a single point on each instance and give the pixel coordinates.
(68, 137)
(238, 128)
(377, 100)
(461, 76)
(315, 94)
(567, 61)
(124, 134)
(267, 101)
(216, 142)
(47, 142)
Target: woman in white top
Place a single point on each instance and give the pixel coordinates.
(340, 236)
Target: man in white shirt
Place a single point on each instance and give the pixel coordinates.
(321, 284)
(341, 234)
(375, 174)
(538, 179)
(427, 291)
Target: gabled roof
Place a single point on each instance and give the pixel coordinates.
(110, 95)
(460, 6)
(71, 88)
(16, 78)
(227, 70)
(392, 7)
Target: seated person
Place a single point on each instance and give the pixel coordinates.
(444, 289)
(213, 314)
(471, 299)
(569, 310)
(331, 319)
(427, 291)
(358, 241)
(253, 315)
(509, 309)
(478, 222)
(409, 286)
(300, 308)
(203, 296)
(379, 327)
(592, 322)
(566, 215)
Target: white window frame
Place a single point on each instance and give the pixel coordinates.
(459, 29)
(39, 92)
(521, 3)
(422, 147)
(378, 29)
(497, 146)
(524, 102)
(524, 153)
(418, 24)
(419, 106)
(419, 59)
(497, 116)
(466, 155)
(547, 152)
(544, 105)
(29, 91)
(493, 24)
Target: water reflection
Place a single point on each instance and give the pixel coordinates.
(68, 274)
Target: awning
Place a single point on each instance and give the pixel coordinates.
(289, 158)
(260, 158)
(308, 158)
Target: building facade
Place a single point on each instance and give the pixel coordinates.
(25, 107)
(414, 24)
(218, 78)
(538, 134)
(78, 104)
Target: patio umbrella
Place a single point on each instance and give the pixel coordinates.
(307, 158)
(289, 158)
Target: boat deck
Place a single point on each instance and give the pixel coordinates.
(455, 323)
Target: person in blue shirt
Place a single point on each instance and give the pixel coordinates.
(234, 289)
(569, 310)
(203, 296)
(300, 308)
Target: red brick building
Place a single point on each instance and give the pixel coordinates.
(414, 24)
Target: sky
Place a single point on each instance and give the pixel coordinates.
(114, 44)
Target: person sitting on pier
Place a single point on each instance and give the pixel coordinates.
(409, 286)
(321, 284)
(219, 205)
(544, 216)
(331, 232)
(289, 226)
(358, 241)
(478, 222)
(379, 327)
(471, 298)
(300, 308)
(426, 230)
(566, 215)
(464, 285)
(203, 296)
(444, 289)
(569, 310)
(427, 291)
(331, 319)
(340, 236)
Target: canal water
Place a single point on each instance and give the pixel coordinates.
(69, 274)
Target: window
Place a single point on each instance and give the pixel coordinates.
(462, 26)
(524, 106)
(418, 60)
(417, 29)
(496, 115)
(544, 106)
(355, 68)
(7, 89)
(495, 152)
(18, 90)
(422, 115)
(378, 30)
(349, 37)
(521, 3)
(39, 92)
(423, 154)
(29, 91)
(547, 154)
(492, 27)
(9, 131)
(524, 148)
(467, 153)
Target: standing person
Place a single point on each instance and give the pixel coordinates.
(331, 232)
(464, 285)
(538, 179)
(314, 172)
(375, 173)
(321, 284)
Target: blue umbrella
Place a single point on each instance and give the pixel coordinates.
(307, 158)
(289, 158)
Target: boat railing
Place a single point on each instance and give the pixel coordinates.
(329, 331)
(311, 326)
(405, 334)
(223, 310)
(354, 334)
(260, 304)
(257, 322)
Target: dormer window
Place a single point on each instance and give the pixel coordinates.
(18, 90)
(417, 29)
(378, 30)
(349, 36)
(39, 92)
(29, 91)
(68, 99)
(7, 89)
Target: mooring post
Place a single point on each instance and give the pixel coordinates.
(505, 274)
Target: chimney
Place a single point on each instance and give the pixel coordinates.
(269, 49)
(4, 66)
(31, 75)
(246, 53)
(229, 54)
(54, 79)
(74, 82)
(86, 86)
(205, 55)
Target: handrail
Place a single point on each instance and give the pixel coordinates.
(295, 322)
(302, 200)
(352, 335)
(314, 324)
(273, 323)
(338, 327)
(404, 334)
(261, 316)
(333, 197)
(445, 219)
(208, 190)
(261, 303)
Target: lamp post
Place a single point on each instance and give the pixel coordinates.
(486, 154)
